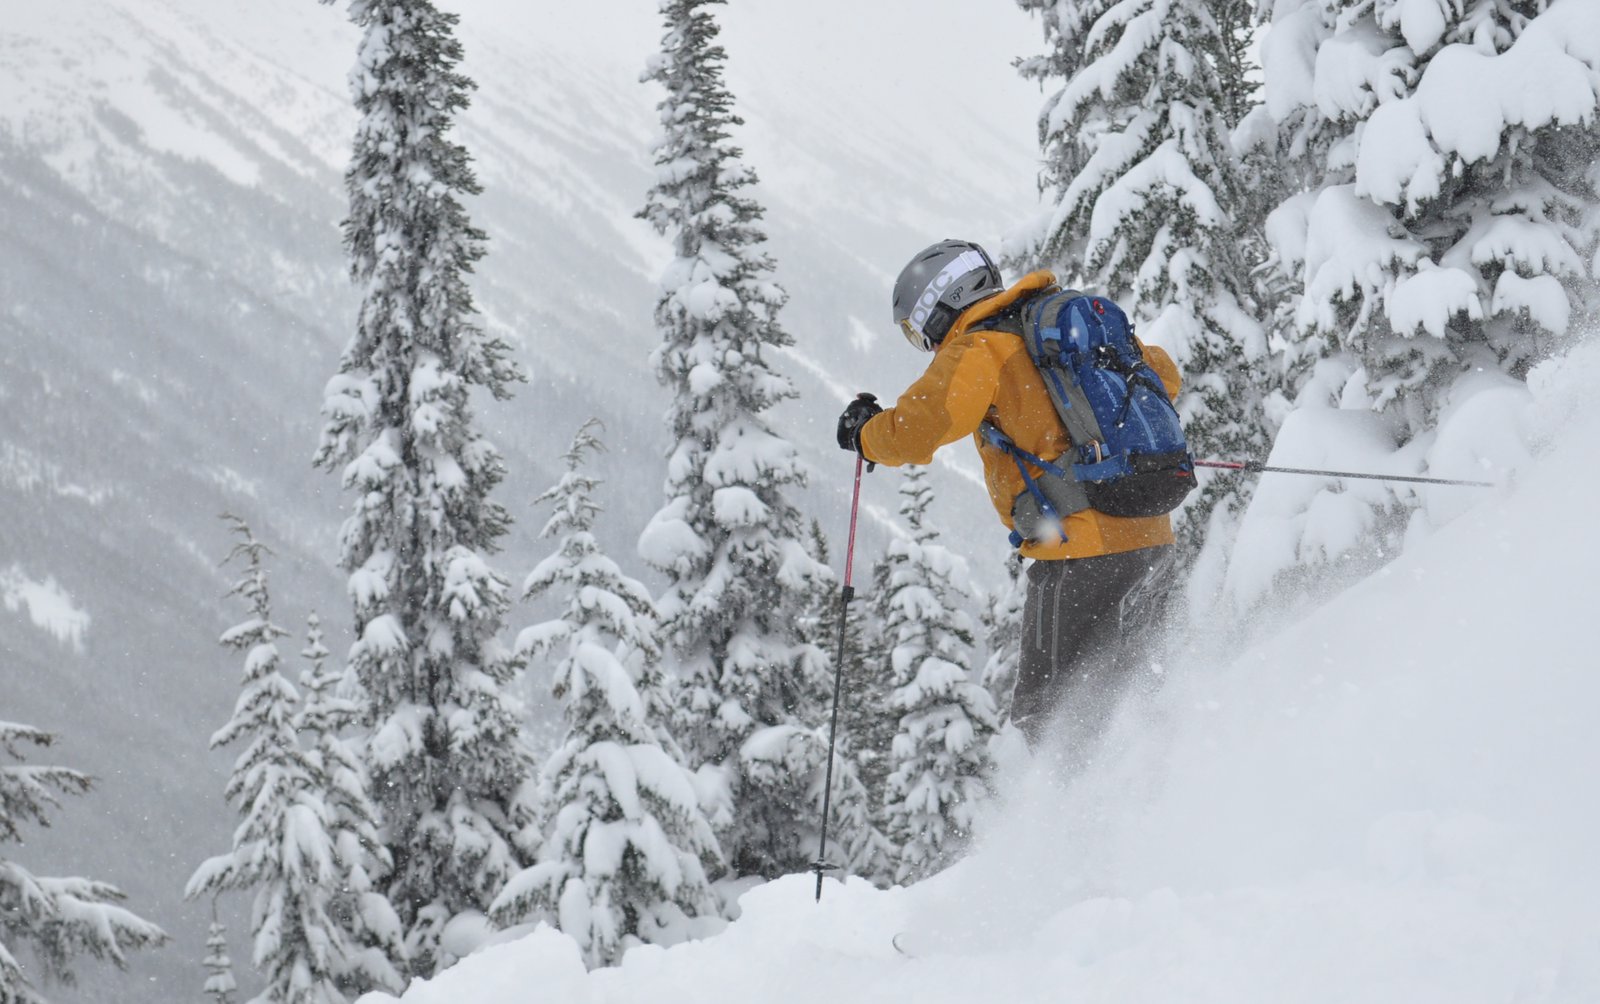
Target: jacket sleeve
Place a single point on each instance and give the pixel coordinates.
(947, 403)
(1165, 368)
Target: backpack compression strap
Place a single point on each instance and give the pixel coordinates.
(1042, 331)
(1067, 498)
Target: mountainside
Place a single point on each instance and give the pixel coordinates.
(1389, 801)
(174, 298)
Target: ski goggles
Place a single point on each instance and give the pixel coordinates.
(917, 339)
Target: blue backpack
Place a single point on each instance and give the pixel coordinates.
(1128, 455)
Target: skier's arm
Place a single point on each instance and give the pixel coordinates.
(947, 403)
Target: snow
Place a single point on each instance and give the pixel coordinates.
(1396, 162)
(27, 471)
(1483, 434)
(1286, 228)
(737, 506)
(1357, 70)
(1165, 169)
(1384, 802)
(1551, 75)
(1542, 297)
(1422, 22)
(1516, 238)
(1430, 297)
(1349, 247)
(1466, 99)
(384, 635)
(49, 607)
(1288, 59)
(1474, 436)
(1291, 517)
(669, 539)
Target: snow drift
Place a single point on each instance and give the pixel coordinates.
(1391, 800)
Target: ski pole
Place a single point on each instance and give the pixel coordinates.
(1257, 467)
(846, 594)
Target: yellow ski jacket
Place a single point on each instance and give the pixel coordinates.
(986, 374)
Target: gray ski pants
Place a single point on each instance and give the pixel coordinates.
(1088, 627)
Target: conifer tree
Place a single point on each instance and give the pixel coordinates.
(444, 751)
(1436, 232)
(372, 955)
(857, 842)
(282, 848)
(1434, 238)
(220, 983)
(626, 846)
(1065, 152)
(1142, 174)
(728, 538)
(1002, 629)
(871, 720)
(57, 919)
(1238, 88)
(941, 757)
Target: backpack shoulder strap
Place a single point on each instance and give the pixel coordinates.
(1008, 320)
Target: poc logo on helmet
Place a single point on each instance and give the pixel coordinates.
(930, 298)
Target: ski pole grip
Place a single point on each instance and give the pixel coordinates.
(870, 399)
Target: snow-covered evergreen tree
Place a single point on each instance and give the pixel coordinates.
(626, 846)
(1440, 234)
(1439, 239)
(55, 919)
(1002, 630)
(282, 848)
(728, 537)
(857, 843)
(372, 955)
(1142, 175)
(220, 984)
(870, 718)
(444, 752)
(941, 757)
(1238, 85)
(1065, 23)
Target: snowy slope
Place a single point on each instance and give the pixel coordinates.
(173, 298)
(1390, 801)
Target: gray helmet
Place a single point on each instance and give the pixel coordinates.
(939, 283)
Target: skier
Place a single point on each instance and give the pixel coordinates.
(1097, 591)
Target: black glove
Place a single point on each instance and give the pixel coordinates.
(854, 417)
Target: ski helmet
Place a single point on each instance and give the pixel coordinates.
(940, 282)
